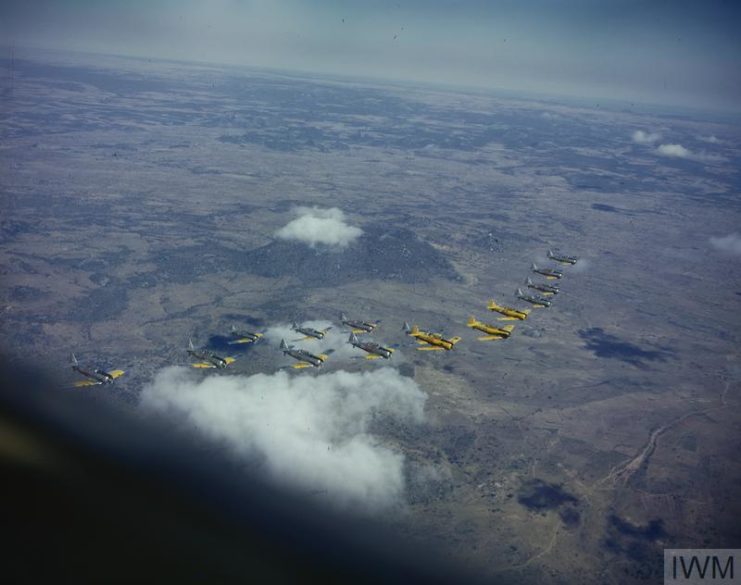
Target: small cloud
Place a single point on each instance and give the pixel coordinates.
(710, 139)
(730, 244)
(675, 150)
(320, 226)
(641, 137)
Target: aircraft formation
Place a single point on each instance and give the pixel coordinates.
(204, 358)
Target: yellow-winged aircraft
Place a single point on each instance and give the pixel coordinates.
(208, 359)
(240, 337)
(549, 273)
(309, 332)
(304, 359)
(94, 376)
(510, 314)
(433, 341)
(493, 333)
(562, 258)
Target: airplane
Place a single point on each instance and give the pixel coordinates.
(208, 358)
(546, 289)
(533, 299)
(309, 332)
(493, 333)
(561, 258)
(304, 358)
(374, 350)
(358, 326)
(510, 314)
(549, 273)
(95, 376)
(243, 336)
(434, 341)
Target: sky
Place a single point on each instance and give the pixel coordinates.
(674, 52)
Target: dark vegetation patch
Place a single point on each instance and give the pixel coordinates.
(380, 253)
(570, 517)
(606, 345)
(102, 304)
(538, 495)
(603, 207)
(240, 319)
(638, 544)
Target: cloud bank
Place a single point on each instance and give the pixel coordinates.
(676, 150)
(320, 226)
(641, 137)
(309, 431)
(731, 244)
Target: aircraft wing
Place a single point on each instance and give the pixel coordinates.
(203, 365)
(242, 340)
(86, 383)
(307, 338)
(116, 373)
(431, 348)
(301, 365)
(490, 338)
(507, 319)
(454, 340)
(356, 331)
(372, 356)
(230, 360)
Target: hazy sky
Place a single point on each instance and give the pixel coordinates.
(665, 51)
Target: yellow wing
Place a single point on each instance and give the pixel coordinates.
(116, 373)
(431, 348)
(491, 338)
(229, 360)
(241, 340)
(301, 365)
(85, 383)
(372, 356)
(454, 340)
(203, 365)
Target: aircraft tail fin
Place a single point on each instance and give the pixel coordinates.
(343, 317)
(73, 359)
(519, 292)
(353, 338)
(471, 321)
(491, 304)
(533, 266)
(190, 344)
(455, 340)
(414, 330)
(407, 328)
(294, 325)
(509, 328)
(528, 280)
(233, 328)
(283, 344)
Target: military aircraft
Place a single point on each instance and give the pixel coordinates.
(240, 337)
(434, 341)
(549, 273)
(208, 358)
(358, 326)
(95, 376)
(309, 332)
(493, 333)
(304, 358)
(535, 300)
(561, 258)
(374, 350)
(510, 314)
(546, 289)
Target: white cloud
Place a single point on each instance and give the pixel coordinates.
(641, 137)
(309, 431)
(320, 226)
(676, 150)
(730, 244)
(710, 139)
